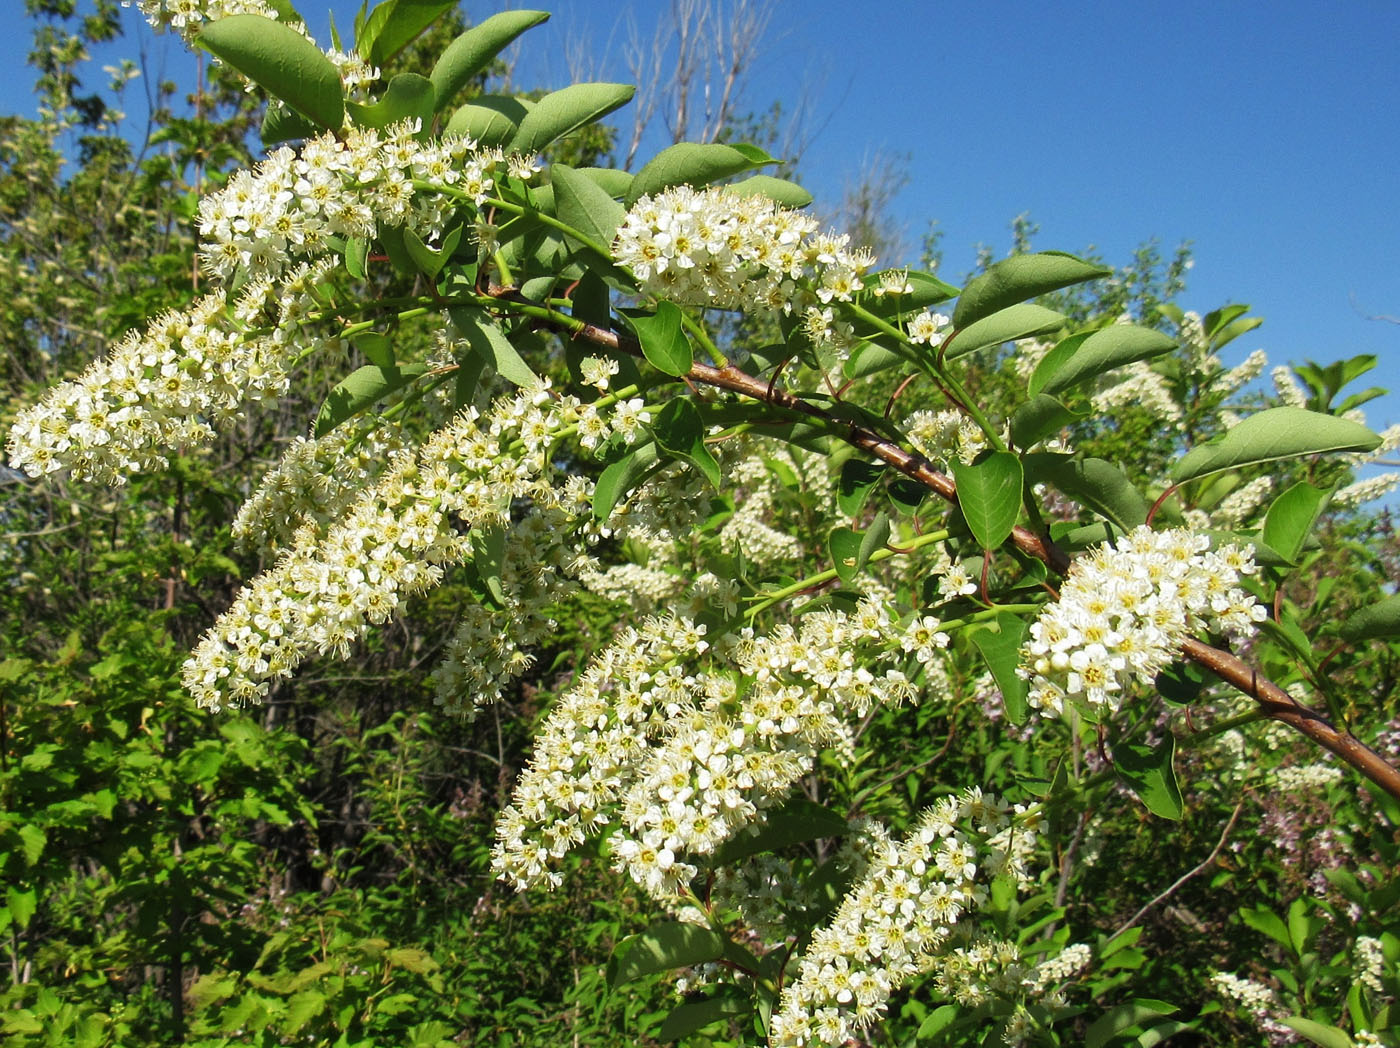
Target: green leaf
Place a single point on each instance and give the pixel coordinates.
(662, 947)
(779, 190)
(620, 477)
(1291, 518)
(408, 97)
(489, 120)
(1148, 772)
(694, 1016)
(428, 260)
(1272, 435)
(875, 537)
(1381, 619)
(420, 962)
(1302, 926)
(376, 347)
(471, 52)
(1008, 325)
(487, 340)
(22, 904)
(844, 546)
(798, 820)
(928, 290)
(394, 24)
(581, 202)
(1114, 1021)
(1001, 650)
(858, 478)
(1097, 483)
(989, 492)
(1099, 352)
(281, 124)
(361, 388)
(936, 1022)
(1268, 922)
(1040, 417)
(357, 257)
(565, 110)
(281, 61)
(680, 431)
(1319, 1033)
(1018, 278)
(302, 1008)
(662, 338)
(692, 164)
(869, 358)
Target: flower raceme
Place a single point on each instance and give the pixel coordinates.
(1125, 609)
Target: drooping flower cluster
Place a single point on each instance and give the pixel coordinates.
(394, 541)
(715, 247)
(1125, 609)
(169, 386)
(893, 922)
(290, 206)
(1261, 1002)
(679, 758)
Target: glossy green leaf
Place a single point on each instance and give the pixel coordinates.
(281, 124)
(857, 479)
(619, 478)
(361, 388)
(1096, 483)
(1026, 320)
(357, 257)
(1273, 435)
(394, 24)
(778, 190)
(473, 51)
(843, 544)
(877, 534)
(1000, 647)
(1100, 352)
(1291, 518)
(376, 347)
(582, 203)
(796, 821)
(1110, 1024)
(692, 164)
(565, 110)
(1018, 278)
(1374, 621)
(989, 492)
(610, 180)
(1303, 926)
(1040, 417)
(693, 1016)
(870, 358)
(430, 260)
(488, 340)
(408, 97)
(662, 947)
(927, 291)
(662, 338)
(1319, 1033)
(489, 120)
(679, 430)
(282, 62)
(1148, 772)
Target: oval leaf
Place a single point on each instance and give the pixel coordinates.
(1291, 518)
(361, 388)
(489, 120)
(1381, 619)
(1108, 1026)
(1038, 418)
(679, 430)
(1278, 433)
(989, 492)
(663, 342)
(1015, 322)
(1319, 1033)
(1018, 278)
(471, 52)
(693, 1016)
(559, 112)
(662, 947)
(778, 190)
(408, 97)
(622, 476)
(691, 164)
(490, 343)
(393, 25)
(583, 204)
(282, 62)
(1100, 352)
(1148, 773)
(1096, 483)
(1001, 650)
(854, 485)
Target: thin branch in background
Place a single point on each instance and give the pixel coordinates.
(1203, 865)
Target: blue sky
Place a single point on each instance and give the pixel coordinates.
(1266, 133)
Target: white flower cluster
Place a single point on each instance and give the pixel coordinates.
(393, 542)
(188, 17)
(944, 437)
(1262, 1004)
(893, 922)
(1305, 777)
(1138, 386)
(680, 759)
(314, 482)
(1369, 488)
(1072, 960)
(290, 206)
(1370, 962)
(979, 972)
(1287, 388)
(715, 247)
(169, 386)
(1125, 609)
(1238, 508)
